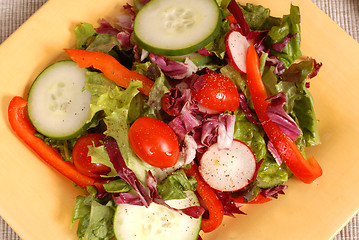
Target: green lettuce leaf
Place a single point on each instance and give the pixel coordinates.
(95, 217)
(304, 115)
(299, 105)
(255, 15)
(99, 156)
(117, 186)
(103, 43)
(83, 33)
(251, 134)
(270, 174)
(290, 25)
(174, 185)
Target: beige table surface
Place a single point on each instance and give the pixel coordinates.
(344, 12)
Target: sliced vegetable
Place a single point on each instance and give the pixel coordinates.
(157, 221)
(57, 105)
(198, 59)
(305, 170)
(210, 199)
(154, 142)
(110, 67)
(81, 159)
(160, 26)
(23, 128)
(219, 93)
(237, 45)
(228, 170)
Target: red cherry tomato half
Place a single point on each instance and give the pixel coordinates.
(81, 159)
(154, 142)
(218, 94)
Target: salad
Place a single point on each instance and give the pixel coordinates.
(174, 114)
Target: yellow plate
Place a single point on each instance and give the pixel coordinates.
(37, 201)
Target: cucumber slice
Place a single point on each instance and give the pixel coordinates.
(157, 222)
(57, 105)
(177, 27)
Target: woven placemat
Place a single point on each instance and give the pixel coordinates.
(344, 12)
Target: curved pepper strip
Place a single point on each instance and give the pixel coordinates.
(22, 126)
(305, 170)
(110, 67)
(214, 205)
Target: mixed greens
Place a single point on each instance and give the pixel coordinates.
(173, 91)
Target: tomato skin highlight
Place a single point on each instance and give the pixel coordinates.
(218, 94)
(154, 142)
(81, 159)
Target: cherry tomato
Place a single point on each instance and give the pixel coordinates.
(154, 142)
(81, 159)
(218, 94)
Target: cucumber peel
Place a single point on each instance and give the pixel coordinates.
(177, 27)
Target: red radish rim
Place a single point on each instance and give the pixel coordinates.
(230, 48)
(249, 180)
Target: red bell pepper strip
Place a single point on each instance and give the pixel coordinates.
(22, 126)
(110, 67)
(214, 205)
(305, 170)
(258, 200)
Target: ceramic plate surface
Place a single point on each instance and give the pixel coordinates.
(37, 201)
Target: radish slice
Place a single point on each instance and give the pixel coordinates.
(228, 170)
(237, 46)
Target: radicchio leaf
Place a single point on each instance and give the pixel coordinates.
(204, 52)
(144, 1)
(276, 113)
(197, 82)
(106, 28)
(316, 68)
(183, 124)
(234, 8)
(279, 65)
(126, 20)
(126, 174)
(189, 149)
(172, 68)
(229, 206)
(218, 129)
(257, 38)
(225, 130)
(127, 198)
(274, 153)
(273, 191)
(281, 45)
(174, 100)
(247, 111)
(209, 131)
(124, 26)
